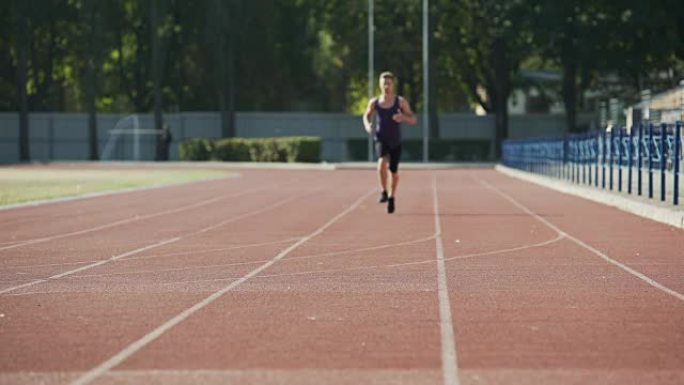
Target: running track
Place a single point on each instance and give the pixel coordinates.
(299, 277)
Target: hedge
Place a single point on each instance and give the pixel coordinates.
(282, 149)
(196, 149)
(441, 150)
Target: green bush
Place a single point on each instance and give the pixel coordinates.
(231, 149)
(267, 150)
(196, 149)
(441, 150)
(302, 148)
(282, 149)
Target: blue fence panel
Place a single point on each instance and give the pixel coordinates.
(594, 158)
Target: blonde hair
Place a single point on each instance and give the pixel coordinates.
(387, 74)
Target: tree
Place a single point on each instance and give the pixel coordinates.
(223, 30)
(156, 71)
(92, 23)
(488, 40)
(22, 39)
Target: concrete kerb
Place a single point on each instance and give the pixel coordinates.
(646, 209)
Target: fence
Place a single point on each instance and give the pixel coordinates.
(64, 136)
(646, 157)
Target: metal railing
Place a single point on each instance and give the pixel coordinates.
(647, 156)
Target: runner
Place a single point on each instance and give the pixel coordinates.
(392, 110)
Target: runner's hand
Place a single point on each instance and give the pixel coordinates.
(398, 117)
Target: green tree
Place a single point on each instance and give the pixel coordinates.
(488, 40)
(22, 40)
(91, 24)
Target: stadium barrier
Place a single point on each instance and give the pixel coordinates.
(617, 158)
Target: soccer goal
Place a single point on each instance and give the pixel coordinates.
(126, 130)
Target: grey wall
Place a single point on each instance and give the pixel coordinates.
(64, 136)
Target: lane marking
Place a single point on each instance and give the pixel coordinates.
(126, 221)
(136, 346)
(597, 252)
(313, 272)
(449, 358)
(173, 240)
(150, 256)
(312, 256)
(48, 264)
(98, 263)
(404, 264)
(214, 250)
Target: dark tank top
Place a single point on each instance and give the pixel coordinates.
(388, 131)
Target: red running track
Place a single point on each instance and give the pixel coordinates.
(299, 277)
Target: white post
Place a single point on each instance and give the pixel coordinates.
(646, 102)
(426, 86)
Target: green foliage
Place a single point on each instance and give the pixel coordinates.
(441, 150)
(312, 55)
(230, 149)
(266, 150)
(196, 149)
(283, 149)
(301, 148)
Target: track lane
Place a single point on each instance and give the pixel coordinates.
(339, 322)
(557, 313)
(134, 305)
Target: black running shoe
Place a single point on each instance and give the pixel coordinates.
(390, 205)
(383, 197)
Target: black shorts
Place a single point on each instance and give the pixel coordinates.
(393, 152)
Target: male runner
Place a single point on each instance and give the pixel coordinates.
(392, 109)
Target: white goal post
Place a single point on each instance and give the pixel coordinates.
(127, 126)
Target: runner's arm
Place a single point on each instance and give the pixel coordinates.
(368, 117)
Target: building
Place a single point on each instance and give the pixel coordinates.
(665, 107)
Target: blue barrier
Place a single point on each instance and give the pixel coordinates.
(587, 158)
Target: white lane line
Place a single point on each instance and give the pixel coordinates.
(313, 256)
(98, 263)
(214, 250)
(608, 259)
(48, 264)
(405, 264)
(327, 271)
(150, 256)
(126, 221)
(212, 227)
(557, 238)
(156, 333)
(449, 358)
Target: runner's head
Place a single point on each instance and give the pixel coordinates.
(387, 82)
